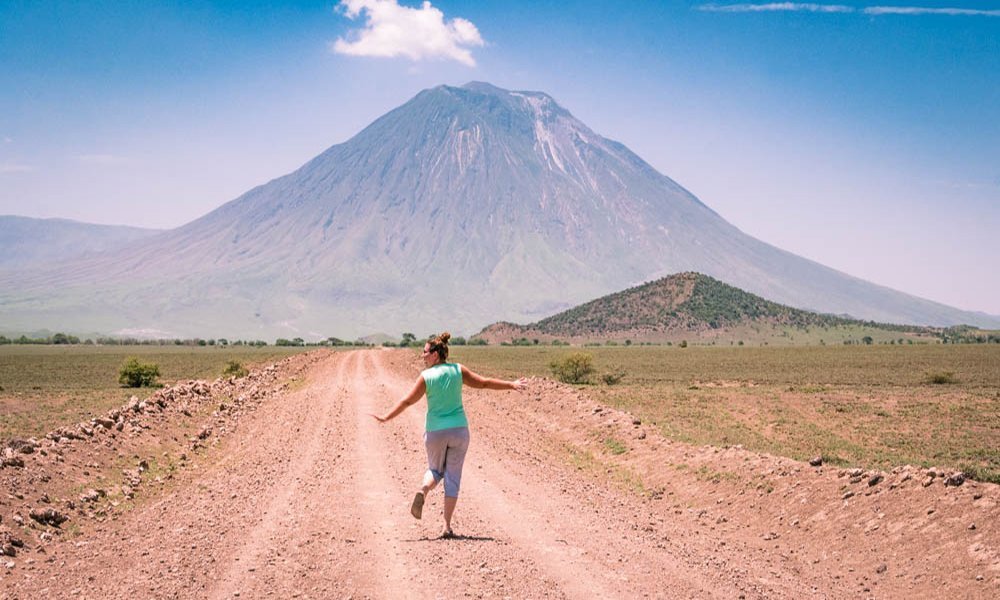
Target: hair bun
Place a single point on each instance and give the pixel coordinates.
(444, 337)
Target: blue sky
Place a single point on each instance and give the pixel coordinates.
(865, 136)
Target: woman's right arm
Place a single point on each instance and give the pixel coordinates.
(410, 399)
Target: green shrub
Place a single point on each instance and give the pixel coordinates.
(573, 368)
(940, 378)
(235, 369)
(138, 374)
(613, 376)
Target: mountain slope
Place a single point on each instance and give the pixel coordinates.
(27, 241)
(463, 206)
(692, 306)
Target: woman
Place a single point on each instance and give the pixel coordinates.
(447, 430)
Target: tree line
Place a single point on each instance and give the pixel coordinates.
(62, 338)
(962, 334)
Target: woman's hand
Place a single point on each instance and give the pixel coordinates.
(520, 384)
(418, 390)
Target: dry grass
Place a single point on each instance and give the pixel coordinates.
(871, 406)
(42, 387)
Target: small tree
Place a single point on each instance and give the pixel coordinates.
(573, 368)
(138, 374)
(235, 369)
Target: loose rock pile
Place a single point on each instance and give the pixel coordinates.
(32, 469)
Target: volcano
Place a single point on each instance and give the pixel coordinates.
(464, 206)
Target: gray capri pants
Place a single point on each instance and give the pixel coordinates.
(446, 450)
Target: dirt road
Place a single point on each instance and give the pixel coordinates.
(309, 498)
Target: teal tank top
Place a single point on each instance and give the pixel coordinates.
(444, 396)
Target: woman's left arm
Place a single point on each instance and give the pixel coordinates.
(410, 399)
(476, 380)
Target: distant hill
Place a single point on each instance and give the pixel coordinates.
(25, 241)
(695, 307)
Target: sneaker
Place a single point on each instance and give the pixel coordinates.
(417, 508)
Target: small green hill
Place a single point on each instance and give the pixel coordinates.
(697, 307)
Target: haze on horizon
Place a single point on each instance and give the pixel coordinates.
(864, 139)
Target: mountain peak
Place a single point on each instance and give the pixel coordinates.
(533, 98)
(484, 87)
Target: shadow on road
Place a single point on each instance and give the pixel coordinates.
(453, 538)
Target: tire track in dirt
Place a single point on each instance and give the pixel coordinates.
(578, 552)
(245, 522)
(418, 563)
(370, 493)
(488, 511)
(287, 532)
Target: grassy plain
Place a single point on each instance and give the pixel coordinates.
(869, 406)
(43, 387)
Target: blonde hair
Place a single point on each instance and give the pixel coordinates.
(439, 344)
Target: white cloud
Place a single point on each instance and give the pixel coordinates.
(105, 160)
(840, 8)
(7, 140)
(913, 10)
(421, 33)
(777, 6)
(13, 168)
